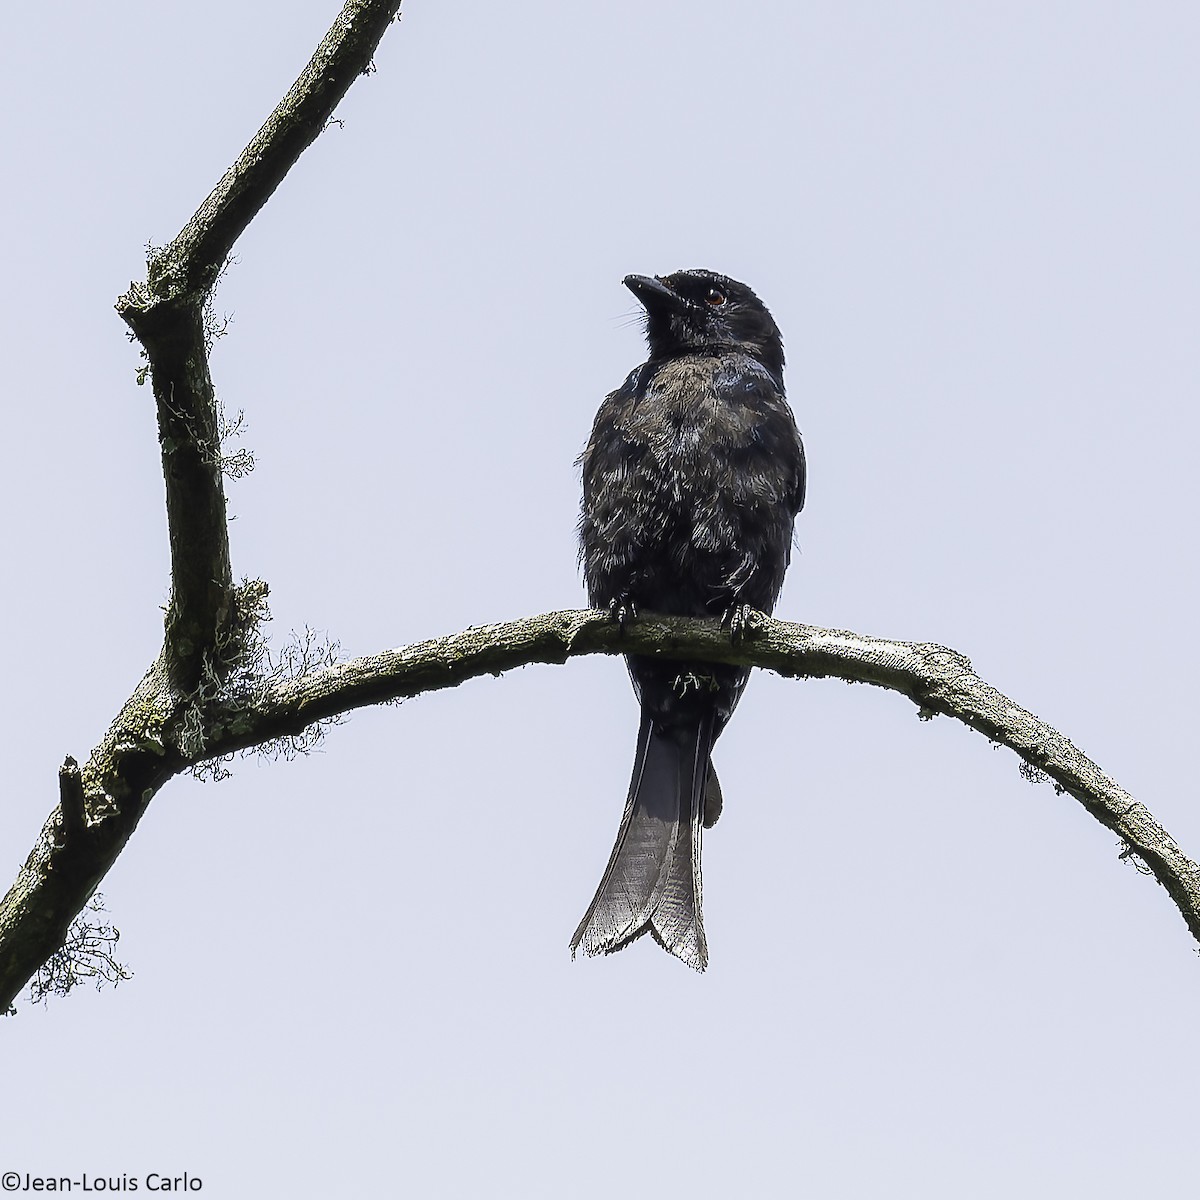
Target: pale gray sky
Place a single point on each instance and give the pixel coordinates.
(976, 226)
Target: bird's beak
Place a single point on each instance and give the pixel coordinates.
(653, 293)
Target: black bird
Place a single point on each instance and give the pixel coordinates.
(692, 479)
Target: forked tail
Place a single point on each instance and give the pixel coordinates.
(652, 882)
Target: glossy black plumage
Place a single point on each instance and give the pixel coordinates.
(692, 478)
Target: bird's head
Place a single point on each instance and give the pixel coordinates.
(701, 310)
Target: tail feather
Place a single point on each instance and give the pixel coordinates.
(652, 882)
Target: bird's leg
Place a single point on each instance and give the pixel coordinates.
(622, 609)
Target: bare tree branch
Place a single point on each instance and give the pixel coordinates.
(209, 694)
(142, 750)
(208, 618)
(937, 680)
(190, 265)
(166, 314)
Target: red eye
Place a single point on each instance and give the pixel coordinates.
(714, 298)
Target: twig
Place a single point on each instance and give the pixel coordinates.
(70, 799)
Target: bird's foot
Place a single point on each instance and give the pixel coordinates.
(742, 621)
(622, 609)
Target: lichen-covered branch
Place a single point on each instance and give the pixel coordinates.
(190, 265)
(68, 860)
(937, 680)
(166, 313)
(147, 744)
(203, 646)
(203, 698)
